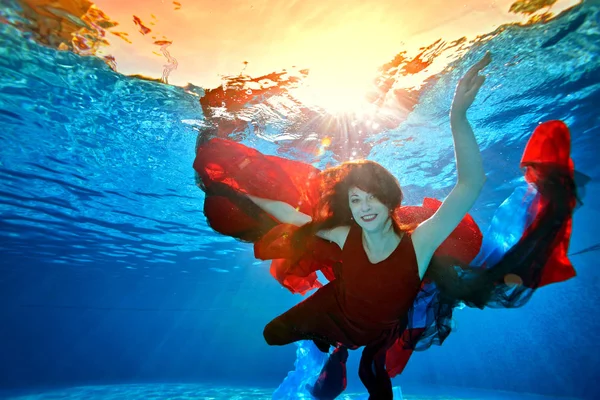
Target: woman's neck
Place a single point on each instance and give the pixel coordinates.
(382, 240)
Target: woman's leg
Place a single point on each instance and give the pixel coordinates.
(315, 319)
(373, 374)
(332, 379)
(310, 319)
(279, 332)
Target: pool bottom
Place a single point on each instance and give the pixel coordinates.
(210, 392)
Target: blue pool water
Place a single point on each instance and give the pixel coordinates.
(113, 286)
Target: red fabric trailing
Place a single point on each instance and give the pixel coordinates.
(550, 144)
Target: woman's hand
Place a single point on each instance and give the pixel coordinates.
(468, 87)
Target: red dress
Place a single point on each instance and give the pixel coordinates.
(366, 302)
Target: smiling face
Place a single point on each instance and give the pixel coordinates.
(368, 212)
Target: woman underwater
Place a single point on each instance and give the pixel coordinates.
(381, 258)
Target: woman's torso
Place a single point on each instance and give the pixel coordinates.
(376, 295)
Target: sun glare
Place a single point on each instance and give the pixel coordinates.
(337, 92)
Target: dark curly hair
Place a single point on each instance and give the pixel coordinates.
(333, 208)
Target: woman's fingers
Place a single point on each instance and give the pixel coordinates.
(479, 65)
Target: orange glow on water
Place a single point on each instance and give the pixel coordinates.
(341, 42)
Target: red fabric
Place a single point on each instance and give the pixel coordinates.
(297, 271)
(222, 213)
(397, 356)
(248, 171)
(463, 243)
(550, 143)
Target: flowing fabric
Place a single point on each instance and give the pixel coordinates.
(524, 249)
(510, 266)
